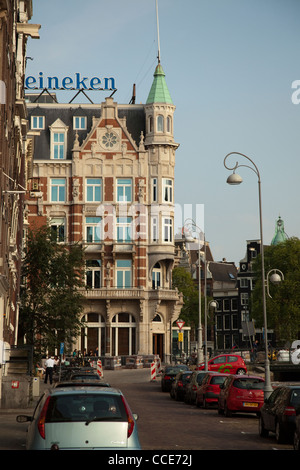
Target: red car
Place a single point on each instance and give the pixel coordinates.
(208, 392)
(241, 393)
(226, 363)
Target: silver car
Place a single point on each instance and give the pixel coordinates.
(82, 417)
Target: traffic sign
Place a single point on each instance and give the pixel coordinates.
(180, 323)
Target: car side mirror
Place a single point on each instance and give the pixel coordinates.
(23, 418)
(136, 416)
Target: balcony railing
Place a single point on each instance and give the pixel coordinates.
(130, 293)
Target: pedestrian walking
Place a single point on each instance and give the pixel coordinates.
(49, 365)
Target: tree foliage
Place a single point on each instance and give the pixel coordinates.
(50, 303)
(183, 280)
(283, 309)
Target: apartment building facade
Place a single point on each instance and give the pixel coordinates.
(103, 175)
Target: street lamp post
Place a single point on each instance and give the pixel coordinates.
(235, 179)
(191, 226)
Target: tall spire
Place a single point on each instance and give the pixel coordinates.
(158, 40)
(159, 92)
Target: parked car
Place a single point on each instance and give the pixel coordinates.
(81, 383)
(169, 376)
(226, 363)
(296, 441)
(193, 385)
(82, 418)
(278, 414)
(178, 387)
(241, 394)
(84, 376)
(208, 392)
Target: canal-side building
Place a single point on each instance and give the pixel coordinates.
(103, 175)
(15, 30)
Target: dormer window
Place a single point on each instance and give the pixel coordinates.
(79, 122)
(58, 140)
(37, 122)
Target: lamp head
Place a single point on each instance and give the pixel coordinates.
(234, 179)
(275, 279)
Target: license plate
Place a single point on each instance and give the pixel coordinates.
(252, 405)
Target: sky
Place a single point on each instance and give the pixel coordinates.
(230, 67)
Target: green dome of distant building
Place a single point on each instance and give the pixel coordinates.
(280, 235)
(159, 92)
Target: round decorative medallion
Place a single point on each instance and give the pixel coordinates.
(109, 140)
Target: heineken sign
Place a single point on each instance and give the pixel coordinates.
(78, 82)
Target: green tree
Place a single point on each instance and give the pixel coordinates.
(50, 302)
(183, 280)
(283, 309)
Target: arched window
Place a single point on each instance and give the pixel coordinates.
(160, 123)
(150, 124)
(169, 124)
(156, 276)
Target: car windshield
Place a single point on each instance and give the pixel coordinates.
(85, 377)
(217, 380)
(175, 370)
(295, 397)
(246, 383)
(85, 407)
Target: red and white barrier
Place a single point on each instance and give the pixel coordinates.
(153, 371)
(158, 366)
(99, 368)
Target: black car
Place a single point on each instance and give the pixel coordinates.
(178, 387)
(169, 376)
(278, 413)
(193, 385)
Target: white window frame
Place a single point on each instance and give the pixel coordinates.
(93, 184)
(123, 269)
(79, 123)
(154, 229)
(154, 190)
(123, 186)
(37, 122)
(167, 194)
(95, 227)
(93, 267)
(60, 129)
(59, 225)
(61, 187)
(167, 230)
(124, 229)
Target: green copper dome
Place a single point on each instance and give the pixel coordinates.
(159, 92)
(280, 235)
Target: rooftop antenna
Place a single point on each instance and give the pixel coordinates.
(157, 25)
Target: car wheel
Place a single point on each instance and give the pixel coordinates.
(241, 372)
(263, 432)
(279, 433)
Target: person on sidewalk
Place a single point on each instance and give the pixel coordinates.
(49, 364)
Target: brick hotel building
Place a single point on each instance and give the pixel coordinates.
(103, 174)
